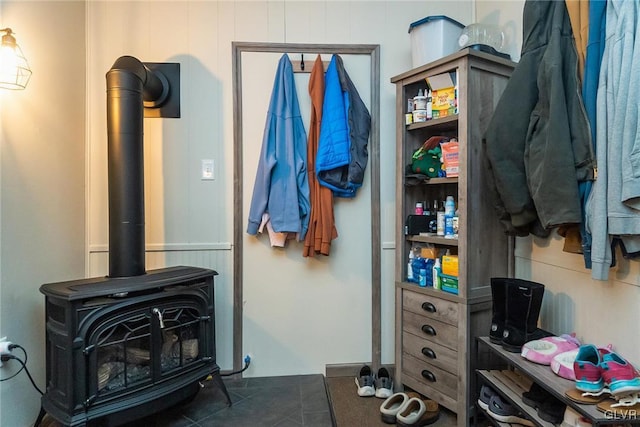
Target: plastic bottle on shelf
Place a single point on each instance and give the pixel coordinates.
(420, 101)
(429, 105)
(440, 218)
(449, 213)
(422, 281)
(419, 209)
(436, 274)
(417, 264)
(410, 267)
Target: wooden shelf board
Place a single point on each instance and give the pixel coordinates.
(436, 240)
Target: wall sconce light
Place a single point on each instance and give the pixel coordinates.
(14, 69)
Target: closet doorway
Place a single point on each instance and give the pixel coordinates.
(296, 315)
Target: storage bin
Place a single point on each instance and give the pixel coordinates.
(432, 38)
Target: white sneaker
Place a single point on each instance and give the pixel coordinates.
(364, 382)
(383, 384)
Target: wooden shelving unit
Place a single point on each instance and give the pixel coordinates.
(452, 321)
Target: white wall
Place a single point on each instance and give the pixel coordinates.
(599, 312)
(293, 306)
(41, 185)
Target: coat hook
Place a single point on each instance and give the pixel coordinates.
(302, 61)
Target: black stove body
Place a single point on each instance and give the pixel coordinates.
(121, 349)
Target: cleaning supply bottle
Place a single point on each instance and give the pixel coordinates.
(410, 267)
(449, 213)
(440, 222)
(436, 274)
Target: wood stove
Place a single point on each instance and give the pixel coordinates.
(121, 349)
(135, 342)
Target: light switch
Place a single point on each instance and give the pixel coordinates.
(207, 169)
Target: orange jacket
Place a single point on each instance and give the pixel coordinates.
(322, 229)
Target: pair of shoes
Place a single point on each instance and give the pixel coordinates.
(500, 410)
(504, 412)
(486, 393)
(516, 306)
(548, 407)
(409, 409)
(542, 351)
(600, 368)
(369, 385)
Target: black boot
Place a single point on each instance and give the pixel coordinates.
(498, 308)
(523, 302)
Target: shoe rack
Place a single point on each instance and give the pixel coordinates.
(436, 331)
(516, 376)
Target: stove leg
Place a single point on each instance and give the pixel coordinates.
(217, 380)
(40, 417)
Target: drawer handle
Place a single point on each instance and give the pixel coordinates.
(428, 352)
(429, 376)
(428, 329)
(427, 306)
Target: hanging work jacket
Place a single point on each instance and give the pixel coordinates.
(538, 144)
(344, 134)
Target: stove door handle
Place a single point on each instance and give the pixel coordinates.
(157, 312)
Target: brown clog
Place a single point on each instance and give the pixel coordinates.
(418, 412)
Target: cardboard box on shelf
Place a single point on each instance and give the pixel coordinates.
(443, 94)
(450, 157)
(450, 265)
(449, 283)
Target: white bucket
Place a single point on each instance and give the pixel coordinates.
(432, 38)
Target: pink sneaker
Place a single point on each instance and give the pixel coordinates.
(620, 375)
(542, 351)
(587, 368)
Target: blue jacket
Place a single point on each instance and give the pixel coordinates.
(281, 187)
(344, 134)
(595, 50)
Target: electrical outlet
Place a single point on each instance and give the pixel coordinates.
(4, 346)
(3, 340)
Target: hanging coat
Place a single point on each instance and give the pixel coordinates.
(614, 202)
(538, 144)
(344, 134)
(281, 188)
(322, 228)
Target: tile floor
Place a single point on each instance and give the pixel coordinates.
(288, 401)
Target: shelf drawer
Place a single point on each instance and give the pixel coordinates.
(430, 352)
(430, 329)
(430, 376)
(442, 310)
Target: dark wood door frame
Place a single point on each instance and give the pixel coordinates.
(374, 162)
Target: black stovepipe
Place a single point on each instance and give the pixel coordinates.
(129, 85)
